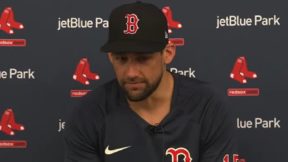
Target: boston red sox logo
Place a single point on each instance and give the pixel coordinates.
(179, 151)
(8, 124)
(131, 24)
(8, 22)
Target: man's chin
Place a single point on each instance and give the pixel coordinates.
(135, 97)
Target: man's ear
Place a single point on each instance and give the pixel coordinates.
(169, 53)
(110, 56)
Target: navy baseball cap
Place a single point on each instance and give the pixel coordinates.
(136, 27)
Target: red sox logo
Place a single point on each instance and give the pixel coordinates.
(8, 124)
(8, 22)
(83, 73)
(131, 24)
(240, 71)
(179, 151)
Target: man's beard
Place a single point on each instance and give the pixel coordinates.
(145, 92)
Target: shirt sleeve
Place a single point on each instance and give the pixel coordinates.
(81, 136)
(217, 132)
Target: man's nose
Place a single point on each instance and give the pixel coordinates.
(132, 69)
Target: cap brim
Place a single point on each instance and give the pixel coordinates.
(133, 46)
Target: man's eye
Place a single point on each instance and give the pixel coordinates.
(142, 59)
(121, 58)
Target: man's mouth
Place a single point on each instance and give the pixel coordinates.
(134, 85)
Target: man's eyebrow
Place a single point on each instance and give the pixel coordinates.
(136, 53)
(118, 53)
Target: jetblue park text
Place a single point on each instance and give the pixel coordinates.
(79, 23)
(237, 21)
(13, 73)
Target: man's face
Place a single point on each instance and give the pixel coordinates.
(138, 74)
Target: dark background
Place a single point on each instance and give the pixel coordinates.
(41, 102)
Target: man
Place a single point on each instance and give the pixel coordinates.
(147, 114)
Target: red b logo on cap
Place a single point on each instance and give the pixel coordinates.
(131, 24)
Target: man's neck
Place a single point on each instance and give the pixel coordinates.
(155, 107)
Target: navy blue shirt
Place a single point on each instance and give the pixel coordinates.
(103, 128)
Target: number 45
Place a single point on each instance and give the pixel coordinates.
(235, 158)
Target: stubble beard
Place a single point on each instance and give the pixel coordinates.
(145, 92)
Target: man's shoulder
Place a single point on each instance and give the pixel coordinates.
(203, 97)
(100, 93)
(195, 87)
(204, 94)
(93, 104)
(88, 114)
